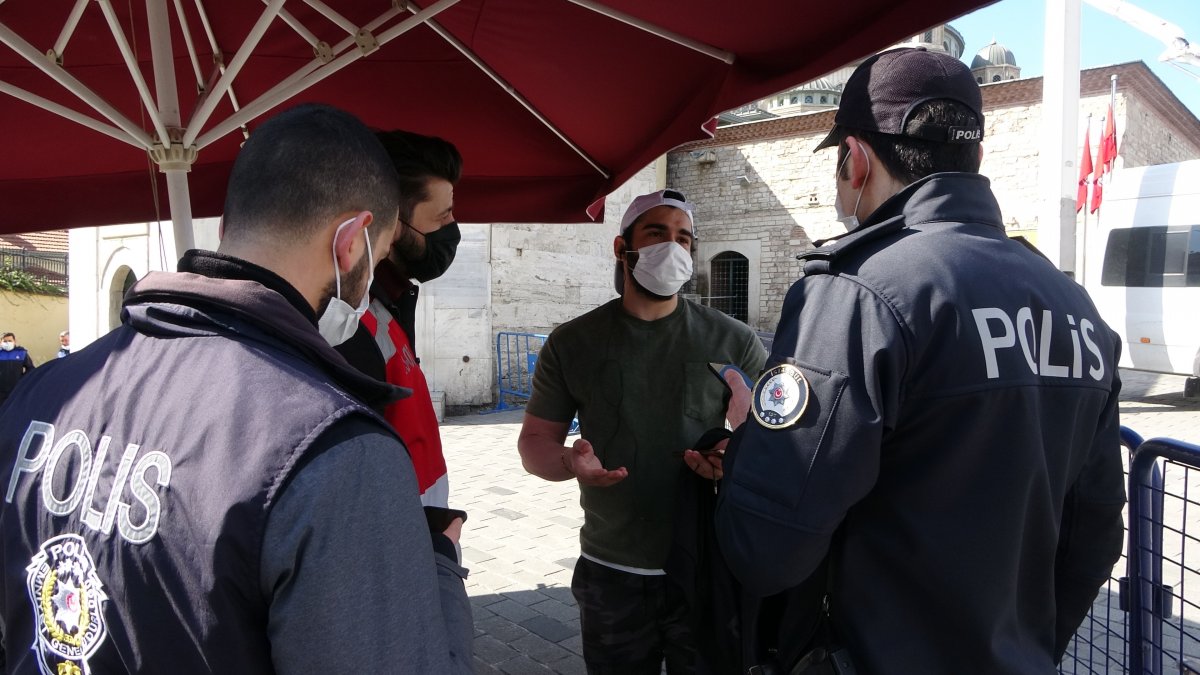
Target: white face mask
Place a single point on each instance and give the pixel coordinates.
(7, 346)
(850, 221)
(663, 268)
(339, 320)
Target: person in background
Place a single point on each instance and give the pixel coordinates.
(64, 343)
(15, 363)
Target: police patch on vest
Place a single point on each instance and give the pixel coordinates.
(68, 611)
(780, 397)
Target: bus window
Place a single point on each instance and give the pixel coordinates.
(1157, 256)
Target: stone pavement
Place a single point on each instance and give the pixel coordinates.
(521, 540)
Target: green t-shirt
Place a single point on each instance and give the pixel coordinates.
(643, 393)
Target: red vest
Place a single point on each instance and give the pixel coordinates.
(413, 417)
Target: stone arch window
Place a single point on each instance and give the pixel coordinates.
(795, 100)
(122, 281)
(995, 78)
(824, 99)
(808, 99)
(979, 80)
(928, 37)
(729, 284)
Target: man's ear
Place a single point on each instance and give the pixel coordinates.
(619, 247)
(858, 165)
(349, 242)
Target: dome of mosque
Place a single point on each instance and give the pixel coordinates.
(993, 55)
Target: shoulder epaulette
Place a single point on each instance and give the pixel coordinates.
(820, 260)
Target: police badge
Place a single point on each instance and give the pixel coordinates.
(68, 611)
(780, 396)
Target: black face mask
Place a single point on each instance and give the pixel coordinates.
(440, 247)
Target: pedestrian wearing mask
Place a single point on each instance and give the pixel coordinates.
(636, 372)
(384, 345)
(14, 364)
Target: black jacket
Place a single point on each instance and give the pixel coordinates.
(957, 458)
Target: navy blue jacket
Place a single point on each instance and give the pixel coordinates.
(143, 475)
(957, 459)
(14, 365)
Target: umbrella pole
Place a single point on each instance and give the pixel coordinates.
(181, 210)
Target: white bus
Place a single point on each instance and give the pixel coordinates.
(1143, 267)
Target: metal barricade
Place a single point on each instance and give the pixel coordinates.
(1100, 645)
(516, 357)
(1164, 629)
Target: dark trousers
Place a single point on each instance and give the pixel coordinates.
(631, 622)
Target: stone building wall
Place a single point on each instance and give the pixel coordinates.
(762, 192)
(1147, 141)
(546, 274)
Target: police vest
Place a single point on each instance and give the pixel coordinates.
(134, 513)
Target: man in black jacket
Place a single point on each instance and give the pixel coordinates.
(938, 418)
(206, 488)
(15, 363)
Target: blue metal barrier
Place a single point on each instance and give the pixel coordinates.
(1101, 643)
(516, 358)
(1165, 622)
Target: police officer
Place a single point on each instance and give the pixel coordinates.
(15, 363)
(205, 489)
(938, 418)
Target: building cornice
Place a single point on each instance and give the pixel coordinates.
(1133, 78)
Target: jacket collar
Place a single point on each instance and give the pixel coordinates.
(191, 303)
(939, 197)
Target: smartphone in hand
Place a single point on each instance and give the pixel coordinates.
(439, 518)
(719, 369)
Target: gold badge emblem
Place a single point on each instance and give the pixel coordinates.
(780, 397)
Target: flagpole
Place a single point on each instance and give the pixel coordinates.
(1083, 235)
(1112, 105)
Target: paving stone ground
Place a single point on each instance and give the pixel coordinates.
(521, 539)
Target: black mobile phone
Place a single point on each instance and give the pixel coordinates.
(439, 518)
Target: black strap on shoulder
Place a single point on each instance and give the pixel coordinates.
(821, 260)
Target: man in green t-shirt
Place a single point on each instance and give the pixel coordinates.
(635, 370)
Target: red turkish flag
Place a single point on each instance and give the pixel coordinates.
(1106, 154)
(1085, 171)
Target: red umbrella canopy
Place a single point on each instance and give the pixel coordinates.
(553, 103)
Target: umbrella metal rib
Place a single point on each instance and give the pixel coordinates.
(511, 91)
(695, 45)
(135, 73)
(313, 72)
(209, 103)
(60, 45)
(63, 111)
(135, 135)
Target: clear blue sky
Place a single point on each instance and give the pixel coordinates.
(1104, 39)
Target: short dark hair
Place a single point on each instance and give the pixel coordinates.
(417, 159)
(7, 335)
(910, 159)
(305, 166)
